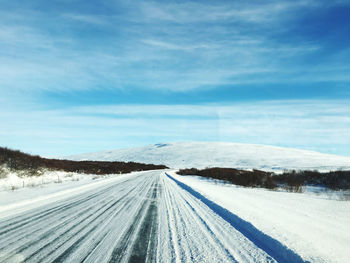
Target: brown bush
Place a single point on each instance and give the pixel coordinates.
(292, 181)
(19, 161)
(255, 178)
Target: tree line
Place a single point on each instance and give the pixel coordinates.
(291, 180)
(16, 160)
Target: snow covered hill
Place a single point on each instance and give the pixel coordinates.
(220, 154)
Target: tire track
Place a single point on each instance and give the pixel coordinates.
(25, 218)
(144, 245)
(251, 243)
(75, 231)
(48, 231)
(146, 218)
(135, 243)
(69, 221)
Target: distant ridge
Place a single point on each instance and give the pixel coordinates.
(223, 154)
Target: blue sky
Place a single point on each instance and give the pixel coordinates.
(79, 76)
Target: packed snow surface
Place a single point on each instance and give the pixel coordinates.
(158, 216)
(142, 217)
(219, 154)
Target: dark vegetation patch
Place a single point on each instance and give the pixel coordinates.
(33, 165)
(334, 180)
(291, 180)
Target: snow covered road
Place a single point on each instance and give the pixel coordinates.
(148, 217)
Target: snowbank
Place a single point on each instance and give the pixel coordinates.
(12, 180)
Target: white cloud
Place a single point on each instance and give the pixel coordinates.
(317, 125)
(91, 19)
(192, 12)
(144, 49)
(167, 45)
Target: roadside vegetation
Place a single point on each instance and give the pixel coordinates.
(293, 181)
(29, 165)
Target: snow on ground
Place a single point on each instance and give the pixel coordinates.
(220, 154)
(53, 186)
(314, 226)
(145, 217)
(149, 216)
(14, 181)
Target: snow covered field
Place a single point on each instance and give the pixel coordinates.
(314, 226)
(220, 154)
(12, 181)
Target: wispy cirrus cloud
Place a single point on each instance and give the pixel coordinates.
(139, 56)
(171, 46)
(90, 19)
(189, 12)
(153, 43)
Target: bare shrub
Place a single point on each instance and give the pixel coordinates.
(292, 181)
(13, 187)
(255, 178)
(29, 165)
(3, 172)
